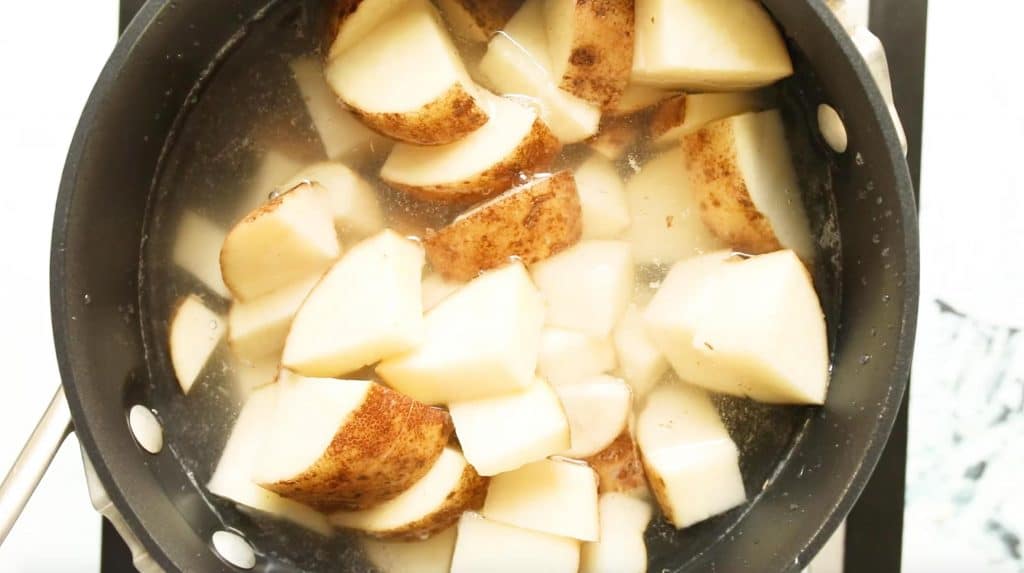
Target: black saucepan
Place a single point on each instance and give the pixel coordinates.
(803, 467)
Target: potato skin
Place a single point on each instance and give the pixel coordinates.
(615, 136)
(468, 496)
(531, 222)
(388, 444)
(601, 56)
(446, 119)
(618, 466)
(667, 115)
(534, 153)
(725, 203)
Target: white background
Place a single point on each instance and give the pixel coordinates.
(51, 52)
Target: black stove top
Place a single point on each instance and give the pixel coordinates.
(874, 529)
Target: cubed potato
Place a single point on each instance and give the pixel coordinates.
(481, 341)
(232, 478)
(717, 320)
(349, 21)
(257, 329)
(619, 468)
(286, 240)
(598, 410)
(485, 545)
(687, 113)
(638, 97)
(568, 357)
(432, 555)
(197, 242)
(529, 223)
(518, 62)
(553, 496)
(587, 287)
(640, 361)
(426, 97)
(353, 201)
(477, 20)
(436, 288)
(615, 136)
(691, 462)
(195, 331)
(366, 308)
(431, 505)
(343, 136)
(507, 432)
(621, 548)
(667, 224)
(743, 177)
(347, 444)
(514, 142)
(704, 45)
(602, 199)
(591, 47)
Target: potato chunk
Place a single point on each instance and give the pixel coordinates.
(602, 199)
(686, 113)
(257, 329)
(352, 200)
(485, 545)
(598, 410)
(194, 334)
(621, 548)
(433, 555)
(567, 357)
(640, 361)
(619, 467)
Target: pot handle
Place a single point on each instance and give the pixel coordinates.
(32, 462)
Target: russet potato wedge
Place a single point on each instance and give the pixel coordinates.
(194, 333)
(347, 444)
(486, 545)
(530, 222)
(283, 241)
(432, 504)
(477, 20)
(743, 177)
(621, 548)
(349, 21)
(512, 144)
(619, 468)
(426, 97)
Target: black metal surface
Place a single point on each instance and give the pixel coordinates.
(97, 233)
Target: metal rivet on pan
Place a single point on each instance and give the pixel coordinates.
(832, 128)
(146, 429)
(234, 549)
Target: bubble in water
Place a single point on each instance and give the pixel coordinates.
(213, 325)
(858, 159)
(273, 194)
(878, 200)
(885, 252)
(865, 359)
(86, 298)
(876, 239)
(885, 298)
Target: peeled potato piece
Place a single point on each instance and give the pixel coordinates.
(351, 198)
(567, 357)
(621, 548)
(591, 47)
(433, 555)
(686, 113)
(195, 332)
(486, 545)
(367, 307)
(426, 97)
(598, 410)
(349, 21)
(602, 199)
(478, 20)
(436, 288)
(257, 329)
(717, 320)
(530, 222)
(619, 468)
(707, 45)
(347, 444)
(432, 504)
(513, 143)
(285, 240)
(197, 242)
(742, 174)
(640, 361)
(232, 479)
(691, 462)
(554, 496)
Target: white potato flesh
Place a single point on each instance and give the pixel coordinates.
(666, 226)
(638, 97)
(598, 410)
(420, 165)
(485, 545)
(568, 357)
(195, 332)
(248, 375)
(602, 199)
(621, 548)
(232, 479)
(481, 341)
(432, 555)
(368, 14)
(553, 496)
(275, 168)
(416, 52)
(367, 307)
(691, 462)
(587, 287)
(197, 242)
(517, 62)
(357, 212)
(341, 133)
(691, 112)
(707, 45)
(284, 241)
(437, 288)
(505, 433)
(640, 361)
(257, 329)
(717, 320)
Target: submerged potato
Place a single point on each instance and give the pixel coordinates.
(477, 20)
(619, 468)
(531, 222)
